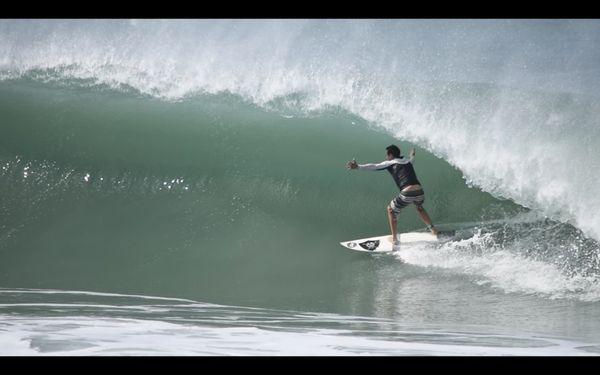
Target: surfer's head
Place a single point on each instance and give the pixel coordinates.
(392, 152)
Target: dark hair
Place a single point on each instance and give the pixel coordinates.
(394, 150)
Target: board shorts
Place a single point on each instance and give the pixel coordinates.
(416, 197)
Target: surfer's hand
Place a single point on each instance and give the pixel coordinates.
(412, 153)
(352, 164)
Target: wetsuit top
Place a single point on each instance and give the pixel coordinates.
(401, 169)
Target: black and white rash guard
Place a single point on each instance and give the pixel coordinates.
(401, 169)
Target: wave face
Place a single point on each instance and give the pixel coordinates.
(204, 160)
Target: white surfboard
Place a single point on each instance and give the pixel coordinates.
(383, 244)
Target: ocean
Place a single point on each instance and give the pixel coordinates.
(178, 187)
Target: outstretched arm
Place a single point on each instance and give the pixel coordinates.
(380, 166)
(377, 167)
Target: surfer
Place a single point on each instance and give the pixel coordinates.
(405, 177)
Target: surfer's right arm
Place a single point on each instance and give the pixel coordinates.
(383, 165)
(376, 167)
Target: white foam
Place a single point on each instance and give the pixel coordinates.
(75, 336)
(502, 268)
(207, 329)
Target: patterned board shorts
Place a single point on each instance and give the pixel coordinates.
(416, 197)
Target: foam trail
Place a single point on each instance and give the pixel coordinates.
(78, 292)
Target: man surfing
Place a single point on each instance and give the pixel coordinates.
(405, 178)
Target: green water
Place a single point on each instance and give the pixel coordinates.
(256, 221)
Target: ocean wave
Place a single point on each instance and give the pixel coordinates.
(532, 143)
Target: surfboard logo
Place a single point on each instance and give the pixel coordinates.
(369, 245)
